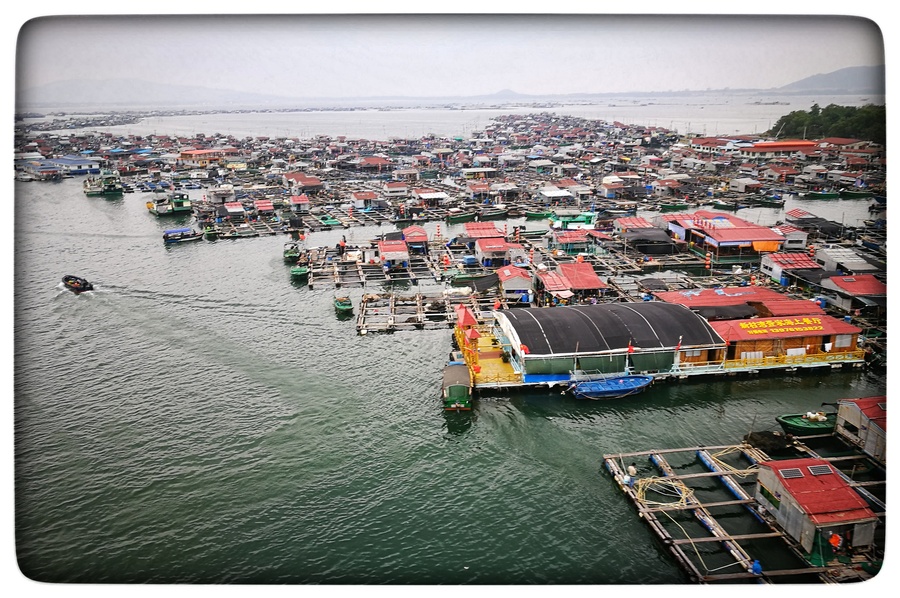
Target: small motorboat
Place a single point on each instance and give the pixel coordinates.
(76, 284)
(610, 387)
(343, 306)
(807, 424)
(181, 235)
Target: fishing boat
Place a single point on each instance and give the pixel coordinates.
(807, 424)
(108, 182)
(770, 201)
(170, 204)
(76, 284)
(343, 305)
(181, 235)
(300, 271)
(292, 251)
(456, 390)
(821, 195)
(609, 386)
(458, 216)
(494, 213)
(855, 194)
(538, 215)
(673, 207)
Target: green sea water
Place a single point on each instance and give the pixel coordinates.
(199, 419)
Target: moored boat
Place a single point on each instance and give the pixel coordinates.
(807, 424)
(343, 305)
(610, 387)
(495, 213)
(172, 203)
(856, 194)
(820, 195)
(300, 271)
(456, 392)
(292, 251)
(457, 216)
(77, 284)
(181, 235)
(108, 182)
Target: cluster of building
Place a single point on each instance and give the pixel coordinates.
(586, 179)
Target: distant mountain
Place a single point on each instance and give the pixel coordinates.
(134, 95)
(854, 80)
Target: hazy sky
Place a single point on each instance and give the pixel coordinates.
(306, 55)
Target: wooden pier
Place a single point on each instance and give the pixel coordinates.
(392, 312)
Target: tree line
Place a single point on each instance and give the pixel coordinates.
(868, 123)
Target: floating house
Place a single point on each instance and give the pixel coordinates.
(795, 239)
(818, 508)
(846, 260)
(547, 345)
(724, 237)
(782, 266)
(235, 211)
(570, 242)
(416, 239)
(793, 341)
(393, 253)
(492, 252)
(859, 292)
(299, 204)
(740, 302)
(651, 241)
(583, 281)
(515, 284)
(863, 423)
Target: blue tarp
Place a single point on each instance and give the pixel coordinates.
(177, 230)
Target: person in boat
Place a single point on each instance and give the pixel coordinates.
(632, 470)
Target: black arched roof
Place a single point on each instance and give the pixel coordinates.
(609, 327)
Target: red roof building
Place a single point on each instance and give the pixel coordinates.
(581, 276)
(816, 488)
(811, 325)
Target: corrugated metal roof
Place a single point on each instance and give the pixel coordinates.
(822, 494)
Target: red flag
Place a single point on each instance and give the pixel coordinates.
(630, 348)
(678, 346)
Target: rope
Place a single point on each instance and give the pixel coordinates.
(664, 486)
(684, 494)
(729, 469)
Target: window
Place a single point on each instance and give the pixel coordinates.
(843, 340)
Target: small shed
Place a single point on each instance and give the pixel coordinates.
(863, 423)
(491, 252)
(416, 239)
(583, 280)
(811, 501)
(299, 203)
(515, 284)
(393, 253)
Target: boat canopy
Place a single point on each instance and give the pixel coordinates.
(174, 231)
(611, 327)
